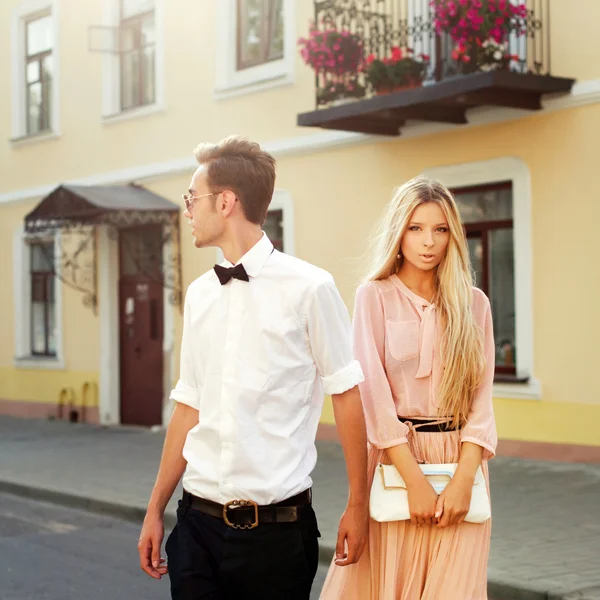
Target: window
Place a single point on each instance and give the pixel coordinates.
(273, 227)
(131, 41)
(137, 53)
(487, 212)
(43, 304)
(259, 32)
(256, 47)
(34, 82)
(37, 301)
(278, 225)
(38, 69)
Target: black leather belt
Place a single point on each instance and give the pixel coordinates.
(246, 514)
(427, 425)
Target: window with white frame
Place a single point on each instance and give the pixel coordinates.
(259, 32)
(37, 300)
(137, 53)
(38, 68)
(255, 44)
(42, 303)
(487, 214)
(279, 224)
(508, 258)
(34, 69)
(131, 40)
(273, 227)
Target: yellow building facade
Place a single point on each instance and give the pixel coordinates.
(118, 92)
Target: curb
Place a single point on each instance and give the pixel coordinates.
(134, 514)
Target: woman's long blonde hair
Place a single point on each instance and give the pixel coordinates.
(462, 343)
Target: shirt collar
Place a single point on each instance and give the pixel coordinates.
(254, 260)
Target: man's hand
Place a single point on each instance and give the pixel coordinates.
(352, 535)
(172, 466)
(151, 537)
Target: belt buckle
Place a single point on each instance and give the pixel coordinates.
(241, 503)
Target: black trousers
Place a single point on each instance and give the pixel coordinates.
(209, 560)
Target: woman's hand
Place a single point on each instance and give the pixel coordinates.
(454, 502)
(421, 502)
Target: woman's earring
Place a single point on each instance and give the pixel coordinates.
(399, 256)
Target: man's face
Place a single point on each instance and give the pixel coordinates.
(204, 216)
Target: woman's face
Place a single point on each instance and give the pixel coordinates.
(426, 238)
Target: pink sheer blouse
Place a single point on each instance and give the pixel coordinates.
(397, 341)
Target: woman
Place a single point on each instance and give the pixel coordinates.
(424, 337)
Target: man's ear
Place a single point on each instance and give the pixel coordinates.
(227, 199)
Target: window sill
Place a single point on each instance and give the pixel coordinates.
(233, 90)
(34, 138)
(133, 113)
(529, 389)
(39, 362)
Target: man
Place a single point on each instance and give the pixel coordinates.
(264, 336)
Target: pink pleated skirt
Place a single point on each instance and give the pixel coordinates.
(406, 562)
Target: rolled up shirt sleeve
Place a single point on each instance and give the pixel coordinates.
(186, 389)
(330, 338)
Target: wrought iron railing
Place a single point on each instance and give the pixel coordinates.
(428, 35)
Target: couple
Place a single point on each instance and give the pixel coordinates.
(265, 335)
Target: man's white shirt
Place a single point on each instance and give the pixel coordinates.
(257, 358)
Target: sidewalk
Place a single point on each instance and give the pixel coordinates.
(546, 532)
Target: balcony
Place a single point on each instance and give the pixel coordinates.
(381, 63)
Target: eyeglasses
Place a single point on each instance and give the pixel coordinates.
(190, 198)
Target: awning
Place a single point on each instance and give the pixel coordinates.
(117, 205)
(78, 209)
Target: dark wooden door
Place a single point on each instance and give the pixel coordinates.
(141, 326)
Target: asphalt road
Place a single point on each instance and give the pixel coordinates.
(53, 553)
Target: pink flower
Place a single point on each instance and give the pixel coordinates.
(497, 34)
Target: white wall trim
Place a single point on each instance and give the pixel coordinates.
(20, 13)
(108, 305)
(230, 82)
(23, 358)
(134, 113)
(516, 171)
(584, 93)
(111, 77)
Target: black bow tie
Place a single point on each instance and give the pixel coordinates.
(226, 273)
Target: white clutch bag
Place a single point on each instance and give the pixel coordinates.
(389, 498)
